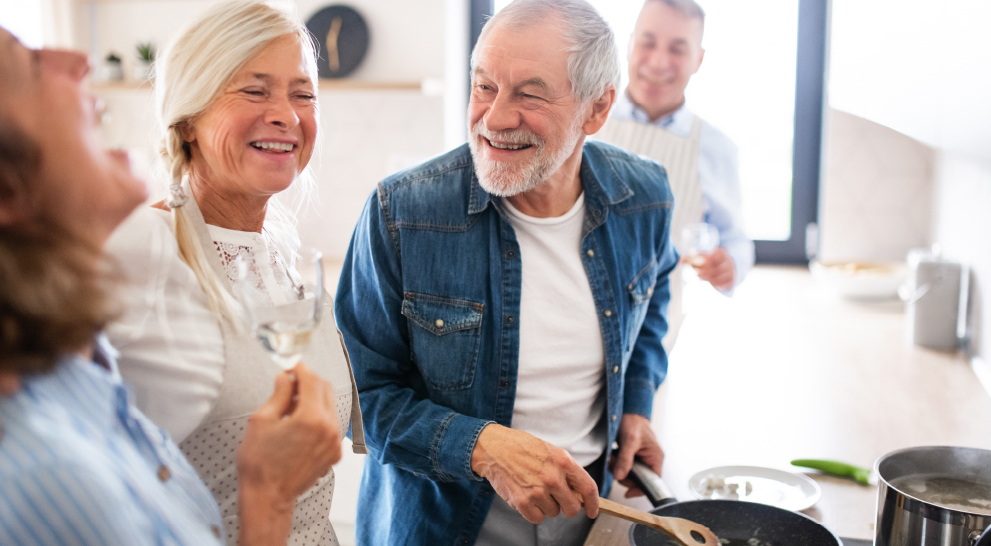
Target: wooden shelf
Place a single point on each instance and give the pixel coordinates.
(325, 84)
(120, 86)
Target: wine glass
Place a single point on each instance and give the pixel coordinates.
(696, 241)
(284, 329)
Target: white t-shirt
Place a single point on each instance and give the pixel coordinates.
(561, 387)
(171, 348)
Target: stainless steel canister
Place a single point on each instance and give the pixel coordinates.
(935, 289)
(905, 520)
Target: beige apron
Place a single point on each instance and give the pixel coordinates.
(249, 376)
(680, 157)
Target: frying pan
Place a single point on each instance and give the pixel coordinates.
(735, 521)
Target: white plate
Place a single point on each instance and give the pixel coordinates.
(756, 484)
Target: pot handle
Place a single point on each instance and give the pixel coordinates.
(654, 487)
(985, 538)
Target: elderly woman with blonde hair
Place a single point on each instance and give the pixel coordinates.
(237, 98)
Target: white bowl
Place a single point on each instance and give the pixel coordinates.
(862, 281)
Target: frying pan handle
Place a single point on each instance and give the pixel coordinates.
(654, 487)
(985, 538)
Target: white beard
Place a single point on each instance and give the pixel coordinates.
(505, 179)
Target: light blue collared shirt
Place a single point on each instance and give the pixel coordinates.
(718, 175)
(79, 465)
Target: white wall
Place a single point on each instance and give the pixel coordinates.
(919, 67)
(877, 191)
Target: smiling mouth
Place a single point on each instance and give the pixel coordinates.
(513, 147)
(273, 147)
(656, 81)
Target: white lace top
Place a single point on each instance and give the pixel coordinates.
(171, 348)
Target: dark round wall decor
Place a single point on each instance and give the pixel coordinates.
(343, 37)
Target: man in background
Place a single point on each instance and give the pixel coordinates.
(665, 52)
(651, 118)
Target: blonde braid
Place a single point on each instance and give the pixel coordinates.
(218, 295)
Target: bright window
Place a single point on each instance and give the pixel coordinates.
(23, 19)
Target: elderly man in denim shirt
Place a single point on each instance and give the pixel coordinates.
(504, 303)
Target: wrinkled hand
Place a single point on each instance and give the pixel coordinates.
(718, 269)
(635, 438)
(535, 478)
(290, 443)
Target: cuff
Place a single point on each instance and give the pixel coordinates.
(638, 397)
(453, 446)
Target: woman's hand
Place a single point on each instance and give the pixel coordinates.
(292, 440)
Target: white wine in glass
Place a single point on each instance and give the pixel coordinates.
(697, 240)
(284, 330)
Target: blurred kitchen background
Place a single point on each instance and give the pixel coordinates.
(864, 130)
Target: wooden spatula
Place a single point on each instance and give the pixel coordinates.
(687, 533)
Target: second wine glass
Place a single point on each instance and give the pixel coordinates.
(697, 240)
(284, 329)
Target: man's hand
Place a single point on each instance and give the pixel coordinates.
(535, 478)
(718, 269)
(292, 440)
(635, 438)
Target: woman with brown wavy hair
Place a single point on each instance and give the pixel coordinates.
(78, 463)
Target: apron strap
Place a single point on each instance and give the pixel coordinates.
(200, 230)
(357, 426)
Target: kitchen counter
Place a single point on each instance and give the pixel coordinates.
(786, 370)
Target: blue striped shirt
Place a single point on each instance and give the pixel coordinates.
(79, 465)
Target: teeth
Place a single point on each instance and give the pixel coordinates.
(284, 146)
(508, 146)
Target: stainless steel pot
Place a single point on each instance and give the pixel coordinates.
(906, 520)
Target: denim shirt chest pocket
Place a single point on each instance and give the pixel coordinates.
(641, 290)
(444, 339)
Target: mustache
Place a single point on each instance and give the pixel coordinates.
(516, 136)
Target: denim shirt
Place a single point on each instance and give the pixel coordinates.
(428, 303)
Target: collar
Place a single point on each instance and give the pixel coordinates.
(479, 198)
(678, 122)
(594, 173)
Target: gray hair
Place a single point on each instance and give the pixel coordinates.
(689, 8)
(594, 61)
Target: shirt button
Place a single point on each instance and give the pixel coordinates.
(164, 473)
(615, 369)
(504, 384)
(510, 318)
(608, 313)
(630, 287)
(613, 417)
(511, 254)
(216, 530)
(650, 291)
(439, 323)
(590, 253)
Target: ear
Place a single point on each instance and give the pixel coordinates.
(187, 131)
(699, 63)
(599, 111)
